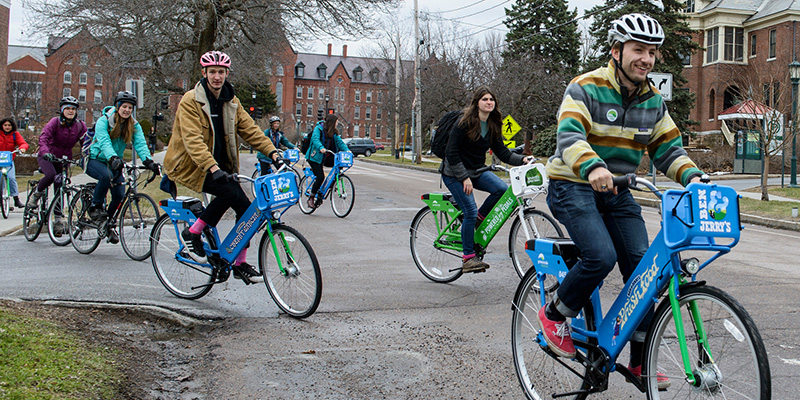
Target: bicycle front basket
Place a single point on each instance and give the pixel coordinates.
(292, 155)
(700, 213)
(344, 159)
(276, 190)
(528, 179)
(6, 159)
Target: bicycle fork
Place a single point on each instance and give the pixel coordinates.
(697, 323)
(291, 270)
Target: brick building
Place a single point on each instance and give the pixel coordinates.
(26, 76)
(5, 10)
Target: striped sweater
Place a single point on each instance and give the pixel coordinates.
(598, 126)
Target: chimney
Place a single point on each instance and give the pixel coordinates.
(329, 49)
(344, 50)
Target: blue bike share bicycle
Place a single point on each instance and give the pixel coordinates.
(336, 185)
(286, 260)
(291, 157)
(700, 338)
(6, 162)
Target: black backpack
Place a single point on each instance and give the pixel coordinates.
(441, 134)
(305, 143)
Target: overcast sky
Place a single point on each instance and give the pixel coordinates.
(473, 15)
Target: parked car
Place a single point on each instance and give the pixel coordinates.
(379, 146)
(360, 146)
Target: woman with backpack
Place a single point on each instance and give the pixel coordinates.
(324, 139)
(478, 130)
(10, 140)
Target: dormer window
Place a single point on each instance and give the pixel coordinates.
(322, 71)
(300, 70)
(373, 74)
(357, 73)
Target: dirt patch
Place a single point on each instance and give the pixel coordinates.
(159, 357)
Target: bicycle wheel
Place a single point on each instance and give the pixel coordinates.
(82, 231)
(31, 218)
(540, 225)
(138, 215)
(297, 289)
(438, 265)
(305, 191)
(5, 201)
(343, 196)
(740, 368)
(184, 280)
(297, 176)
(540, 374)
(56, 223)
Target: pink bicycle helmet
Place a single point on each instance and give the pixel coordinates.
(215, 58)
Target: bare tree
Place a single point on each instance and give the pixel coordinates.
(24, 93)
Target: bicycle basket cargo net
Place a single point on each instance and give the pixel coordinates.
(6, 159)
(293, 155)
(700, 213)
(276, 190)
(528, 179)
(344, 159)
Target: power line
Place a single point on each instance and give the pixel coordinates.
(462, 7)
(478, 12)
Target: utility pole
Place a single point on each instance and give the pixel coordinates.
(397, 96)
(417, 91)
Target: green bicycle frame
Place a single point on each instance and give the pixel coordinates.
(679, 331)
(275, 248)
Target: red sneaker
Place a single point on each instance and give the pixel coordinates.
(557, 335)
(661, 379)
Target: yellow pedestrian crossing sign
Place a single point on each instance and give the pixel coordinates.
(510, 127)
(510, 143)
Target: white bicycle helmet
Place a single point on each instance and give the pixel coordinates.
(638, 27)
(274, 118)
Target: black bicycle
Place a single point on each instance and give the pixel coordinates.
(52, 215)
(135, 216)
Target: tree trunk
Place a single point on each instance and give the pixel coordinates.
(764, 177)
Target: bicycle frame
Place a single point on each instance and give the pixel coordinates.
(290, 155)
(690, 222)
(340, 164)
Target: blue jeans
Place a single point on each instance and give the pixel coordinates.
(487, 182)
(607, 228)
(12, 181)
(100, 171)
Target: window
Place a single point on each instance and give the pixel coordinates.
(356, 112)
(98, 96)
(310, 110)
(300, 70)
(712, 45)
(357, 73)
(753, 45)
(711, 105)
(380, 97)
(279, 70)
(82, 114)
(377, 132)
(311, 93)
(298, 109)
(322, 71)
(767, 97)
(373, 74)
(84, 59)
(279, 95)
(366, 131)
(66, 92)
(82, 95)
(356, 130)
(369, 96)
(775, 94)
(82, 78)
(772, 39)
(734, 44)
(98, 79)
(358, 95)
(299, 92)
(336, 93)
(67, 77)
(367, 112)
(378, 113)
(341, 96)
(689, 6)
(321, 93)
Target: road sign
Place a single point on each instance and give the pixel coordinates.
(510, 143)
(136, 86)
(662, 82)
(510, 127)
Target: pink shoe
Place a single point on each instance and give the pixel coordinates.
(661, 379)
(557, 335)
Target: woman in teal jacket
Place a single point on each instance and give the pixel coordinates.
(113, 132)
(324, 137)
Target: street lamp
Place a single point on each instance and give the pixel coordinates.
(327, 99)
(794, 75)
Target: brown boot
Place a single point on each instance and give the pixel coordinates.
(474, 265)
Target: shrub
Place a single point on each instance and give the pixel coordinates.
(545, 143)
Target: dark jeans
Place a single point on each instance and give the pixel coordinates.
(227, 195)
(487, 182)
(100, 171)
(50, 171)
(320, 176)
(266, 167)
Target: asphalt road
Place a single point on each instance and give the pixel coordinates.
(383, 330)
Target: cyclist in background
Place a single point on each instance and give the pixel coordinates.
(114, 131)
(477, 130)
(203, 153)
(607, 120)
(278, 140)
(10, 140)
(59, 136)
(324, 139)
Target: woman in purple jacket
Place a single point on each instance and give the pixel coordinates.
(58, 138)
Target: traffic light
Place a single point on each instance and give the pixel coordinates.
(330, 111)
(164, 103)
(259, 112)
(320, 114)
(158, 117)
(252, 112)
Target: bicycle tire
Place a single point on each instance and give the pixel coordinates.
(297, 176)
(305, 191)
(63, 196)
(540, 374)
(733, 339)
(540, 225)
(437, 265)
(187, 281)
(342, 201)
(137, 218)
(31, 217)
(298, 289)
(5, 201)
(82, 231)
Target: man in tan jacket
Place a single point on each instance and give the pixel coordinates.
(203, 153)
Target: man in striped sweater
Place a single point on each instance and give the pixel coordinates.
(607, 120)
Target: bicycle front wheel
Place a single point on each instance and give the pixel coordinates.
(138, 215)
(305, 193)
(732, 364)
(438, 265)
(540, 225)
(5, 201)
(291, 271)
(343, 196)
(82, 230)
(184, 280)
(540, 373)
(31, 218)
(56, 223)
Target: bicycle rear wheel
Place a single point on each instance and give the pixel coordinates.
(5, 200)
(31, 217)
(540, 225)
(305, 191)
(184, 280)
(82, 230)
(297, 289)
(740, 368)
(343, 196)
(56, 223)
(436, 264)
(138, 215)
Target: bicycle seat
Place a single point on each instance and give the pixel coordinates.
(563, 247)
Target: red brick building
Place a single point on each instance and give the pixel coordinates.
(5, 10)
(26, 76)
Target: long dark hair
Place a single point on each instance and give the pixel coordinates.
(330, 125)
(470, 122)
(13, 124)
(122, 127)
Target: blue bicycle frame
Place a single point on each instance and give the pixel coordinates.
(342, 162)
